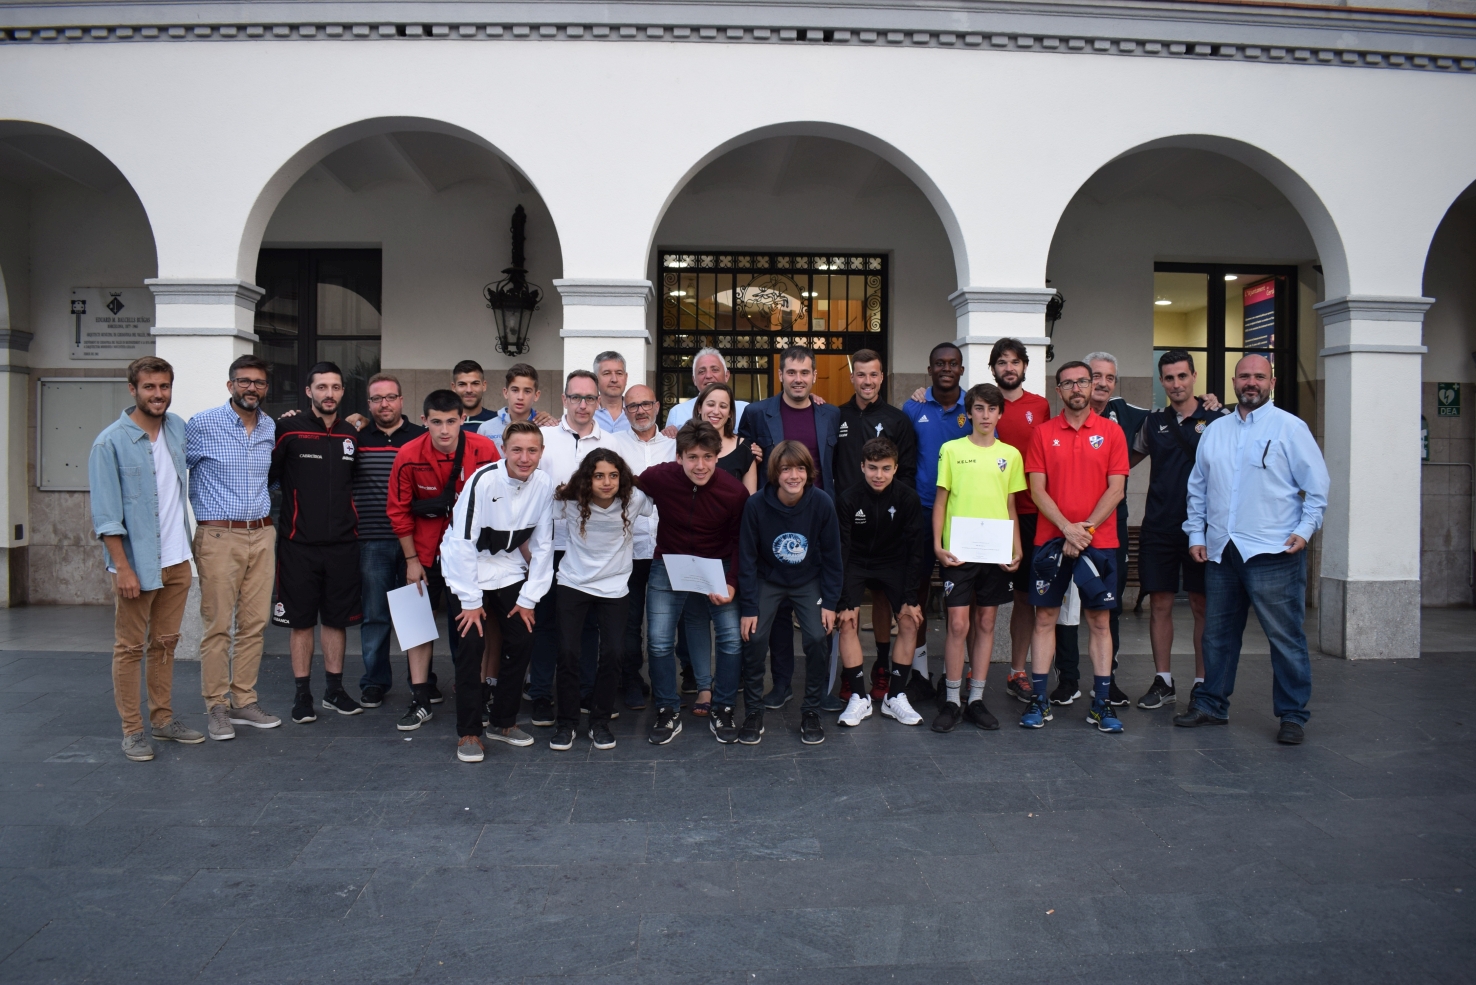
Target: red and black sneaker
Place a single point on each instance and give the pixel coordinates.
(845, 689)
(1020, 687)
(881, 682)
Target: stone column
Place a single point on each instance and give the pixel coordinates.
(200, 327)
(988, 314)
(1369, 600)
(601, 315)
(14, 512)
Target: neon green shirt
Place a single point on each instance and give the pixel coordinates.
(979, 480)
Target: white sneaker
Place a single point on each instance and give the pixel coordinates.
(900, 709)
(858, 709)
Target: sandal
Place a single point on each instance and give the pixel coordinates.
(703, 708)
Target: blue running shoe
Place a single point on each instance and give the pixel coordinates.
(1037, 714)
(1103, 717)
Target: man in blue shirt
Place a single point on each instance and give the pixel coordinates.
(1256, 495)
(610, 374)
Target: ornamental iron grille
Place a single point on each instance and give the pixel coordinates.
(753, 306)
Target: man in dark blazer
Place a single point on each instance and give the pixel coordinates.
(792, 415)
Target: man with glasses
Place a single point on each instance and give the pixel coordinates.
(1256, 496)
(381, 562)
(228, 450)
(564, 446)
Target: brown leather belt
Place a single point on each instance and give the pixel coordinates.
(265, 521)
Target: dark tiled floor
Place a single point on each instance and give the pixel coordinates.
(347, 851)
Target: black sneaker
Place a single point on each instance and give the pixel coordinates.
(1066, 691)
(753, 729)
(302, 708)
(1020, 687)
(417, 716)
(812, 733)
(1115, 696)
(563, 738)
(722, 725)
(635, 699)
(668, 725)
(689, 682)
(543, 712)
(948, 717)
(1290, 734)
(372, 696)
(435, 693)
(978, 715)
(340, 702)
(601, 736)
(1159, 694)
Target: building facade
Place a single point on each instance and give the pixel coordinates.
(336, 180)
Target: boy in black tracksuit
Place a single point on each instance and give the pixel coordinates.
(789, 551)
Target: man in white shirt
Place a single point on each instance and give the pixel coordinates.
(708, 367)
(564, 446)
(641, 447)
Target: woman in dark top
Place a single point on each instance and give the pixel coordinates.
(715, 406)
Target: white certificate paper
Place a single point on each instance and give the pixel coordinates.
(982, 541)
(690, 573)
(410, 611)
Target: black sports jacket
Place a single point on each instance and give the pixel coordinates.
(315, 466)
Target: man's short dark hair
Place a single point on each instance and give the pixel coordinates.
(986, 392)
(699, 434)
(520, 427)
(582, 374)
(148, 364)
(1009, 345)
(795, 353)
(322, 368)
(1073, 364)
(249, 361)
(441, 401)
(467, 366)
(1175, 356)
(866, 356)
(943, 345)
(521, 369)
(879, 450)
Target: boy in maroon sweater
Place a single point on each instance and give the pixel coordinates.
(700, 510)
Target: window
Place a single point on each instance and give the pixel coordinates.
(320, 305)
(752, 306)
(1220, 312)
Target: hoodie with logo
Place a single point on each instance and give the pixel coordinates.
(790, 546)
(882, 534)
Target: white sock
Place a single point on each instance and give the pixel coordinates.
(954, 687)
(1168, 678)
(491, 682)
(976, 690)
(920, 661)
(1199, 680)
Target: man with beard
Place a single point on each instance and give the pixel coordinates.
(1256, 495)
(228, 450)
(318, 553)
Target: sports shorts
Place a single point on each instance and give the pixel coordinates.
(976, 583)
(1164, 564)
(317, 583)
(1027, 540)
(859, 582)
(1094, 571)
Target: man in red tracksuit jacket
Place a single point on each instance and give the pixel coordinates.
(422, 494)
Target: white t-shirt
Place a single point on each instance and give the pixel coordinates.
(563, 450)
(641, 455)
(598, 562)
(174, 546)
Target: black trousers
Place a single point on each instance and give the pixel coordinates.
(517, 647)
(574, 606)
(635, 656)
(773, 600)
(781, 648)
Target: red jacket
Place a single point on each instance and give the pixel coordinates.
(420, 472)
(700, 520)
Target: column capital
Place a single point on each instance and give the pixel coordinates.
(1373, 323)
(1373, 307)
(603, 292)
(15, 340)
(190, 290)
(1019, 300)
(201, 306)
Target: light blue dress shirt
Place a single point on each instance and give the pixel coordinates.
(1256, 480)
(611, 424)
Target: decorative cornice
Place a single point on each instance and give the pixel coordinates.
(1372, 307)
(15, 340)
(964, 340)
(1021, 300)
(1306, 34)
(623, 293)
(190, 291)
(1343, 350)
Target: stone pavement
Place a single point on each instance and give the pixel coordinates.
(345, 850)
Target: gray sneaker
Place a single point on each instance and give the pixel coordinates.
(512, 736)
(220, 723)
(178, 731)
(137, 748)
(254, 715)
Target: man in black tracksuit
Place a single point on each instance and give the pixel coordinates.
(318, 541)
(864, 417)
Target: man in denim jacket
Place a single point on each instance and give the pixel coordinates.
(136, 472)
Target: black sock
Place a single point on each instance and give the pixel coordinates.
(883, 653)
(857, 677)
(335, 682)
(420, 693)
(900, 678)
(304, 684)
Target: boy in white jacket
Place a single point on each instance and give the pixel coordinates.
(497, 555)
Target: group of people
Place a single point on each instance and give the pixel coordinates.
(547, 542)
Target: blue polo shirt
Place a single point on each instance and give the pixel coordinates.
(935, 425)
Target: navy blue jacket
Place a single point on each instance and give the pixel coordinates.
(789, 546)
(763, 425)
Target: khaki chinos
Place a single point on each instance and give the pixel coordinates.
(148, 625)
(236, 567)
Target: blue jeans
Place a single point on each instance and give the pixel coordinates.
(1276, 586)
(664, 609)
(545, 657)
(381, 569)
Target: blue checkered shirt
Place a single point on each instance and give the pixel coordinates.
(228, 467)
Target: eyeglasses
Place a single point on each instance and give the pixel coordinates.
(244, 383)
(643, 406)
(581, 398)
(384, 399)
(1074, 385)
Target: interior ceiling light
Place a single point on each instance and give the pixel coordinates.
(1232, 277)
(1163, 301)
(678, 294)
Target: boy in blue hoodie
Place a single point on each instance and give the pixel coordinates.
(789, 551)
